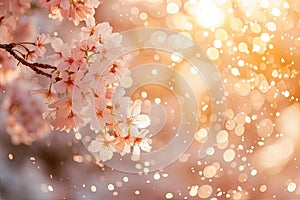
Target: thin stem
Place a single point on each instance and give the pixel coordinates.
(21, 43)
(26, 49)
(21, 54)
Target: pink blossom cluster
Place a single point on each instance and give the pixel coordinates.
(75, 10)
(84, 89)
(124, 128)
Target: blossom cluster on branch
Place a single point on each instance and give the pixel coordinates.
(83, 85)
(75, 10)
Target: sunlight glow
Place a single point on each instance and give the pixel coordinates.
(208, 14)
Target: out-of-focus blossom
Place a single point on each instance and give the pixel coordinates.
(10, 12)
(3, 33)
(8, 72)
(24, 122)
(74, 10)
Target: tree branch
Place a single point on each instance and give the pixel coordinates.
(33, 66)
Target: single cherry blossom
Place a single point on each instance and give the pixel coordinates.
(102, 147)
(141, 142)
(101, 115)
(135, 117)
(120, 104)
(41, 41)
(62, 116)
(73, 60)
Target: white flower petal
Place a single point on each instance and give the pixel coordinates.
(90, 21)
(135, 157)
(125, 150)
(56, 43)
(134, 131)
(144, 145)
(136, 150)
(115, 39)
(105, 154)
(95, 146)
(65, 4)
(142, 121)
(134, 109)
(144, 132)
(95, 125)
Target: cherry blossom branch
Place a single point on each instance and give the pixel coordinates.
(33, 66)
